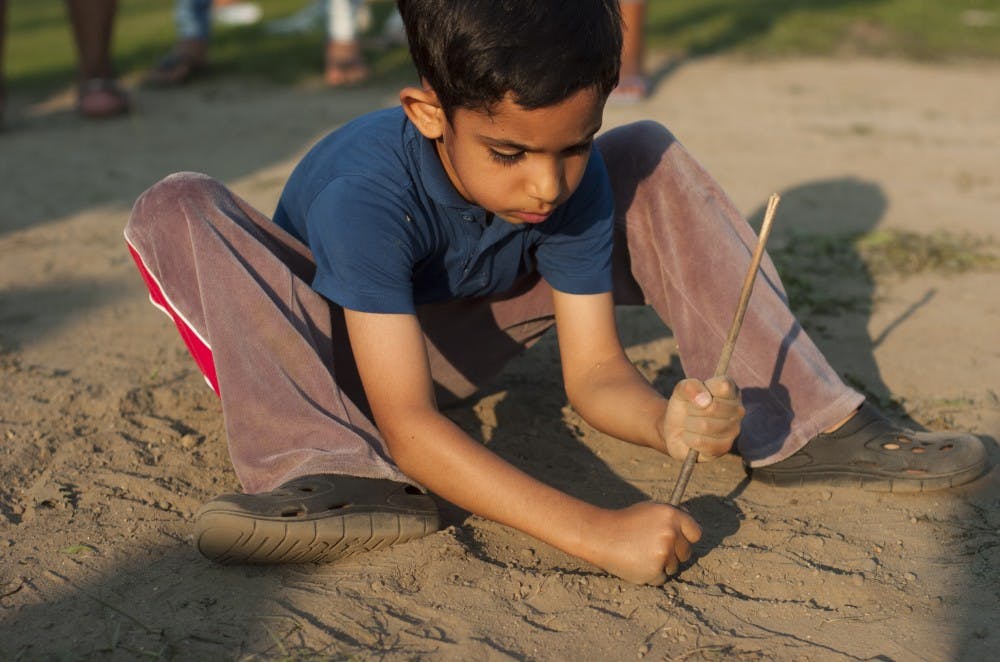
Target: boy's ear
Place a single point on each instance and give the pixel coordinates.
(421, 105)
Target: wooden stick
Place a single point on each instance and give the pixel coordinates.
(734, 331)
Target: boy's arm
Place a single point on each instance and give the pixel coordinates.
(611, 395)
(642, 543)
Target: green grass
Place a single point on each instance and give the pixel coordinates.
(918, 29)
(40, 55)
(809, 262)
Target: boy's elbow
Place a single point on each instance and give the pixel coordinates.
(402, 452)
(405, 438)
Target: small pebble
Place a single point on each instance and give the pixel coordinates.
(910, 577)
(189, 441)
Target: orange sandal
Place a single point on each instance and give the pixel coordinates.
(344, 64)
(631, 89)
(346, 72)
(99, 98)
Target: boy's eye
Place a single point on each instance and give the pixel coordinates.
(506, 159)
(582, 148)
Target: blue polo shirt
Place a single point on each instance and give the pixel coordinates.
(389, 232)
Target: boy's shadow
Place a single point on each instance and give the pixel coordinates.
(830, 287)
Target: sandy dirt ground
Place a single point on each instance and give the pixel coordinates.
(110, 440)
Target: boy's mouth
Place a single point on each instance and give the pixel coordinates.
(530, 217)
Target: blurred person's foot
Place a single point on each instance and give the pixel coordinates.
(98, 98)
(187, 59)
(631, 89)
(344, 64)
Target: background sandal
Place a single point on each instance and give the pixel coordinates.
(341, 73)
(321, 518)
(186, 60)
(872, 452)
(630, 89)
(101, 97)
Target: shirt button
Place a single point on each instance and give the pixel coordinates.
(467, 217)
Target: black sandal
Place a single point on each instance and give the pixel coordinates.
(313, 519)
(872, 452)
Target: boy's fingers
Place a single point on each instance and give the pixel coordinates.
(718, 398)
(723, 417)
(708, 449)
(682, 549)
(723, 387)
(694, 391)
(690, 529)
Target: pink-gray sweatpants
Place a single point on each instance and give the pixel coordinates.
(276, 352)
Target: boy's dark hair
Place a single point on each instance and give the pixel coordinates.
(474, 52)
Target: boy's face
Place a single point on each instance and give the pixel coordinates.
(521, 164)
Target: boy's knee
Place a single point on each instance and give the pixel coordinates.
(638, 143)
(176, 187)
(164, 201)
(644, 135)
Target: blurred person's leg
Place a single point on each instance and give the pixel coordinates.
(633, 84)
(344, 62)
(189, 55)
(93, 25)
(3, 39)
(193, 19)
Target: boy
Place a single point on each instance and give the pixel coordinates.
(416, 249)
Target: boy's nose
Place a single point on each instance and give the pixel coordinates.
(546, 183)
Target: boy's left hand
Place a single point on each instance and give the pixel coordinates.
(704, 416)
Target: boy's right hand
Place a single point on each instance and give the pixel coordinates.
(644, 543)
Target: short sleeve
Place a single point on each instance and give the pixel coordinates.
(574, 255)
(364, 251)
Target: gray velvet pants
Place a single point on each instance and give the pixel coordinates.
(276, 352)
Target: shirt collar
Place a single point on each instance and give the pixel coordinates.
(432, 174)
(436, 182)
